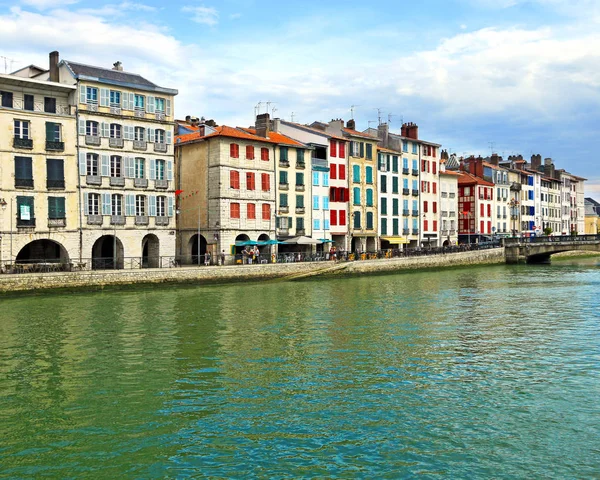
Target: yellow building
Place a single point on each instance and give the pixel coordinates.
(38, 181)
(592, 216)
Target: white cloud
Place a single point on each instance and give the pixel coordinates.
(47, 4)
(203, 15)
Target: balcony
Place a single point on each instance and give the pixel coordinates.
(139, 113)
(55, 146)
(115, 142)
(444, 194)
(284, 209)
(117, 219)
(117, 181)
(162, 221)
(452, 195)
(25, 223)
(319, 162)
(140, 145)
(140, 182)
(300, 210)
(415, 231)
(452, 232)
(92, 107)
(300, 165)
(415, 213)
(93, 140)
(415, 193)
(23, 143)
(160, 116)
(94, 219)
(160, 147)
(284, 163)
(406, 191)
(55, 184)
(405, 213)
(284, 186)
(115, 110)
(300, 231)
(23, 182)
(283, 231)
(444, 214)
(57, 222)
(93, 180)
(300, 188)
(405, 171)
(162, 184)
(415, 172)
(141, 220)
(445, 232)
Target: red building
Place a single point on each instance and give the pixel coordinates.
(475, 207)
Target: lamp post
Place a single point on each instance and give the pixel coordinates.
(3, 205)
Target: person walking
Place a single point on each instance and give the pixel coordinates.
(222, 257)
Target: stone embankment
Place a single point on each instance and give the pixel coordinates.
(98, 279)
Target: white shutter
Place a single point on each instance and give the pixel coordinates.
(131, 167)
(168, 107)
(86, 203)
(131, 101)
(105, 129)
(106, 206)
(126, 132)
(105, 172)
(152, 205)
(81, 126)
(150, 104)
(150, 134)
(170, 211)
(168, 138)
(169, 170)
(125, 101)
(129, 205)
(104, 97)
(82, 94)
(82, 163)
(152, 169)
(126, 167)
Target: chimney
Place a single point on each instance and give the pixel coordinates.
(276, 125)
(412, 131)
(536, 162)
(54, 66)
(118, 66)
(262, 125)
(494, 159)
(383, 131)
(351, 124)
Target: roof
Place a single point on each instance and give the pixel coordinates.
(27, 82)
(491, 165)
(388, 150)
(278, 138)
(110, 76)
(224, 131)
(355, 133)
(315, 130)
(466, 178)
(449, 172)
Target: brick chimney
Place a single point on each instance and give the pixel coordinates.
(410, 130)
(494, 159)
(536, 162)
(262, 125)
(54, 56)
(351, 124)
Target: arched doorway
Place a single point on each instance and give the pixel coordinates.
(371, 244)
(197, 248)
(239, 239)
(107, 253)
(150, 251)
(264, 249)
(356, 244)
(43, 251)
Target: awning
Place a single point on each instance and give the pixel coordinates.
(325, 240)
(246, 243)
(396, 240)
(302, 241)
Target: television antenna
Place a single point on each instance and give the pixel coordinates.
(352, 108)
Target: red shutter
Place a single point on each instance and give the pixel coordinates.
(425, 226)
(346, 195)
(482, 209)
(266, 183)
(342, 152)
(264, 154)
(266, 211)
(332, 148)
(342, 217)
(234, 210)
(425, 207)
(333, 217)
(434, 186)
(234, 179)
(434, 167)
(435, 225)
(342, 170)
(434, 206)
(489, 210)
(251, 211)
(333, 171)
(249, 152)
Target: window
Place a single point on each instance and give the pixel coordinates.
(56, 207)
(316, 224)
(21, 129)
(159, 104)
(249, 152)
(395, 207)
(356, 194)
(159, 135)
(300, 156)
(250, 182)
(434, 207)
(55, 173)
(383, 206)
(415, 185)
(425, 206)
(115, 166)
(116, 204)
(405, 204)
(414, 148)
(369, 151)
(266, 211)
(25, 211)
(332, 148)
(325, 179)
(415, 165)
(23, 172)
(140, 102)
(139, 167)
(283, 200)
(316, 179)
(404, 146)
(234, 180)
(91, 95)
(356, 173)
(325, 203)
(396, 227)
(7, 99)
(315, 202)
(423, 165)
(28, 102)
(140, 134)
(93, 205)
(405, 183)
(234, 151)
(265, 182)
(383, 184)
(369, 197)
(395, 163)
(369, 174)
(251, 211)
(299, 178)
(91, 128)
(92, 164)
(326, 224)
(161, 169)
(299, 201)
(369, 220)
(115, 98)
(342, 215)
(342, 170)
(49, 105)
(283, 177)
(283, 154)
(356, 219)
(140, 205)
(115, 130)
(405, 163)
(161, 206)
(395, 184)
(234, 210)
(299, 223)
(264, 154)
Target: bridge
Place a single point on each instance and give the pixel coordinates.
(540, 249)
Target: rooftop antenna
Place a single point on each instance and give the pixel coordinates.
(390, 115)
(258, 106)
(273, 111)
(293, 115)
(352, 108)
(370, 122)
(378, 114)
(269, 103)
(492, 145)
(6, 62)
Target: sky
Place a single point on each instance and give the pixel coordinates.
(509, 76)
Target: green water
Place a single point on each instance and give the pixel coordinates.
(464, 373)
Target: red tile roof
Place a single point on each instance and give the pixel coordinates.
(354, 133)
(388, 150)
(277, 138)
(222, 131)
(466, 178)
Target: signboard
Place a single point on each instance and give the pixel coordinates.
(25, 212)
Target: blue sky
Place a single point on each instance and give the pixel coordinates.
(523, 75)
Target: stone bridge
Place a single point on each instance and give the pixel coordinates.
(540, 249)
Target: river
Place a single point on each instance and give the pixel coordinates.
(486, 372)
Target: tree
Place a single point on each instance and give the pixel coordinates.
(547, 231)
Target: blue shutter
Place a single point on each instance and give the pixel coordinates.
(152, 205)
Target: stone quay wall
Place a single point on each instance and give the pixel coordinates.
(98, 279)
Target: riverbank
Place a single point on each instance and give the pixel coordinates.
(100, 279)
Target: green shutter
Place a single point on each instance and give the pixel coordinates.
(362, 149)
(49, 131)
(300, 154)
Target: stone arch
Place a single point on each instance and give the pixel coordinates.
(197, 249)
(108, 253)
(150, 251)
(43, 250)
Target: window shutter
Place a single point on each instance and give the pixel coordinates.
(81, 126)
(106, 207)
(168, 107)
(82, 94)
(129, 205)
(152, 205)
(105, 129)
(82, 164)
(86, 203)
(104, 97)
(152, 169)
(362, 149)
(169, 170)
(170, 211)
(126, 172)
(168, 138)
(151, 135)
(150, 105)
(131, 100)
(105, 171)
